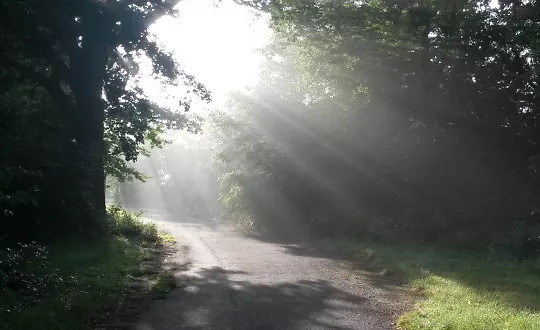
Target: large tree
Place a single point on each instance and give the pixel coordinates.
(83, 53)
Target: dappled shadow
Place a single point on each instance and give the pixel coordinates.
(392, 283)
(303, 243)
(512, 285)
(216, 298)
(504, 282)
(507, 284)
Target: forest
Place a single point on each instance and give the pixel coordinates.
(386, 121)
(393, 121)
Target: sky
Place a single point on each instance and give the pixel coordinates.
(216, 42)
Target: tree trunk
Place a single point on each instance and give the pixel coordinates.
(90, 72)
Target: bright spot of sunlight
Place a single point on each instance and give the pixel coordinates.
(217, 42)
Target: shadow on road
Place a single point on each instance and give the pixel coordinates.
(303, 244)
(200, 304)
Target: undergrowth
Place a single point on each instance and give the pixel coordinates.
(463, 290)
(70, 284)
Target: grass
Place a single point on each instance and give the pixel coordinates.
(463, 290)
(87, 278)
(162, 284)
(165, 237)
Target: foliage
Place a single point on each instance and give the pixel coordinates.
(38, 175)
(71, 110)
(23, 269)
(70, 284)
(394, 121)
(129, 224)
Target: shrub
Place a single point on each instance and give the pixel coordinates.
(125, 223)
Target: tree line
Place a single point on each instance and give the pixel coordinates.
(386, 119)
(392, 120)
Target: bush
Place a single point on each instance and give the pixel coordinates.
(71, 283)
(125, 223)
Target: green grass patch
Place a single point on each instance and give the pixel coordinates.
(162, 284)
(81, 279)
(463, 290)
(165, 237)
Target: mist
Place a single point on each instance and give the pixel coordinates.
(181, 181)
(365, 132)
(276, 164)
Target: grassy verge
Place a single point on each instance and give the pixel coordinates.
(74, 284)
(463, 290)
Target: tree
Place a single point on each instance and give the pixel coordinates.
(418, 118)
(80, 50)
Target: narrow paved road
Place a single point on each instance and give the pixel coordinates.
(230, 281)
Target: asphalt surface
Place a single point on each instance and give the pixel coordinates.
(228, 280)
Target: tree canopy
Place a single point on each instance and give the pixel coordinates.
(389, 119)
(67, 68)
(395, 119)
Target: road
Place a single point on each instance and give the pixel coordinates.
(228, 280)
